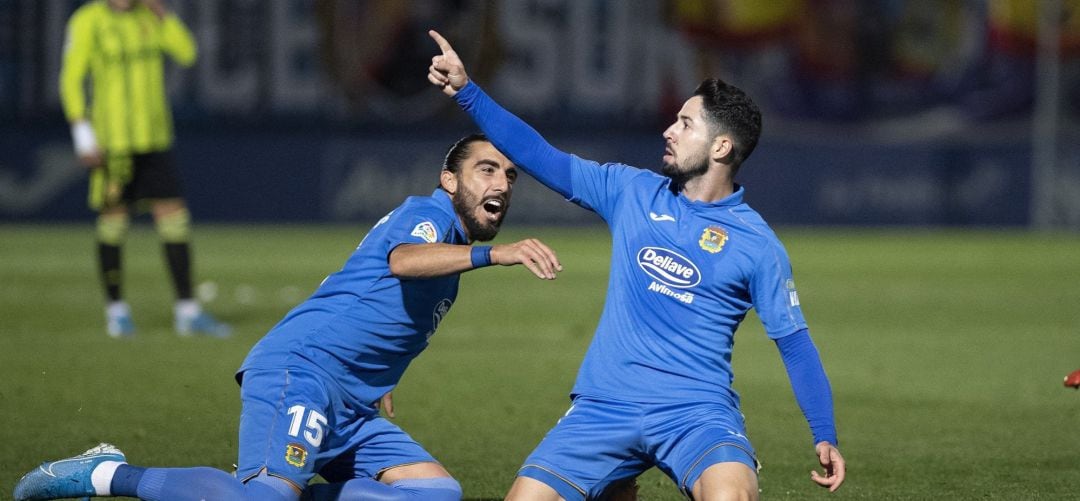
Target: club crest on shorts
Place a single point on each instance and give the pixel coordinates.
(713, 239)
(296, 455)
(426, 232)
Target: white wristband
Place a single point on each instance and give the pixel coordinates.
(83, 135)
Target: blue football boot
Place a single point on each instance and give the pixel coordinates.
(120, 327)
(203, 324)
(118, 320)
(66, 478)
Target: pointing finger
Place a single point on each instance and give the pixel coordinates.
(444, 46)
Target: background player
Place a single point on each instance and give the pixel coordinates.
(310, 387)
(125, 138)
(689, 259)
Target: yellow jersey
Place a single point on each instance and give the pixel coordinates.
(122, 51)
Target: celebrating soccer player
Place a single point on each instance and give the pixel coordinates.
(689, 259)
(312, 387)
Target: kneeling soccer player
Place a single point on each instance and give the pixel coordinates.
(311, 388)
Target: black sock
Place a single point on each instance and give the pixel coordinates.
(179, 257)
(111, 273)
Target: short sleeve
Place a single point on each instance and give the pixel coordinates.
(416, 225)
(772, 290)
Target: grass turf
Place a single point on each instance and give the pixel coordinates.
(945, 350)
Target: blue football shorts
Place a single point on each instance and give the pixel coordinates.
(295, 425)
(599, 442)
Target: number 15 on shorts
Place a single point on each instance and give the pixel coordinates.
(313, 425)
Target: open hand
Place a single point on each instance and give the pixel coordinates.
(534, 254)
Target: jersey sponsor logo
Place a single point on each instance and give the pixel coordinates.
(713, 239)
(661, 217)
(426, 232)
(296, 455)
(793, 295)
(668, 267)
(686, 297)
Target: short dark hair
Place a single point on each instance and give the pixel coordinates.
(460, 150)
(728, 109)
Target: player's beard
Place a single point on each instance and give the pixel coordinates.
(466, 203)
(694, 166)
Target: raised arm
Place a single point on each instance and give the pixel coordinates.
(176, 38)
(812, 391)
(512, 136)
(438, 259)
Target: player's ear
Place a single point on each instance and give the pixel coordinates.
(448, 181)
(722, 147)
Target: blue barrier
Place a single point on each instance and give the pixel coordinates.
(242, 176)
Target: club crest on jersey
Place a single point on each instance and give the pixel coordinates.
(668, 267)
(426, 232)
(713, 239)
(441, 310)
(296, 455)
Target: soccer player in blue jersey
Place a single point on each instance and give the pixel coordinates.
(311, 388)
(689, 259)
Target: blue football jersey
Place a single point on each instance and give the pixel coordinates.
(363, 326)
(683, 276)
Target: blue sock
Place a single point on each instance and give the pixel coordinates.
(125, 481)
(152, 484)
(433, 489)
(367, 489)
(184, 484)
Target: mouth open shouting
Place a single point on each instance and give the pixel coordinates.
(481, 217)
(494, 206)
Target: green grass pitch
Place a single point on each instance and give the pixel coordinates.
(945, 349)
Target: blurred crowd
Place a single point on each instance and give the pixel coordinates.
(843, 59)
(835, 60)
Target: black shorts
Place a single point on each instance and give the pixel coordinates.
(127, 180)
(153, 176)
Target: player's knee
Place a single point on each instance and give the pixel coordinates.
(729, 493)
(727, 482)
(433, 489)
(174, 226)
(112, 228)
